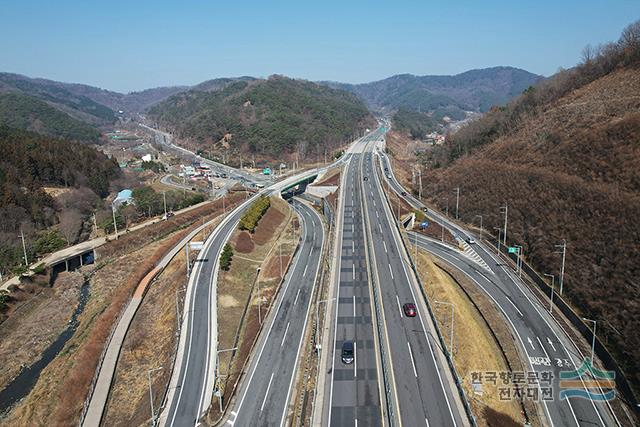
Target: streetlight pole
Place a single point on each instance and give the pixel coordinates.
(217, 375)
(553, 278)
(480, 225)
(453, 310)
(178, 291)
(564, 252)
(498, 230)
(447, 208)
(593, 339)
(504, 209)
(457, 200)
(153, 413)
(259, 296)
(280, 260)
(519, 262)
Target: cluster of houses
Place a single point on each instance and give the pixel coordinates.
(434, 138)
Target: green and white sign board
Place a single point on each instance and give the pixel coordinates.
(513, 250)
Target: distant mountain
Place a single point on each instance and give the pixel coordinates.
(65, 97)
(475, 90)
(84, 102)
(25, 112)
(271, 119)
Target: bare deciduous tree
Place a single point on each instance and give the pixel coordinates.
(71, 221)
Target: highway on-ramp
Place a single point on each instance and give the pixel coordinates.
(264, 394)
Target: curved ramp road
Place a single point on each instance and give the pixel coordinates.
(543, 342)
(265, 392)
(191, 387)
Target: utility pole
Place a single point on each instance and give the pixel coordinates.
(95, 225)
(115, 223)
(457, 200)
(447, 208)
(24, 249)
(420, 184)
(280, 260)
(553, 282)
(564, 252)
(164, 201)
(504, 209)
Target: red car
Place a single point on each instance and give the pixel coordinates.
(409, 309)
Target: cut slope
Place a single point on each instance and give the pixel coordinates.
(568, 170)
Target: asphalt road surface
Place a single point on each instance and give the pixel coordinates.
(424, 394)
(265, 392)
(546, 346)
(352, 395)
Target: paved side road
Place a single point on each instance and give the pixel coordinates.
(264, 394)
(545, 345)
(191, 385)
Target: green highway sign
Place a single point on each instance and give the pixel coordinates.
(513, 250)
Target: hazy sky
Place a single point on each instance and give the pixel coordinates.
(133, 45)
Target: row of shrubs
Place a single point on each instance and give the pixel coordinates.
(252, 216)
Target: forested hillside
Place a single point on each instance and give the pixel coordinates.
(565, 157)
(25, 112)
(58, 95)
(272, 119)
(31, 162)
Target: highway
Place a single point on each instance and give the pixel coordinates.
(264, 393)
(353, 393)
(425, 392)
(544, 345)
(191, 385)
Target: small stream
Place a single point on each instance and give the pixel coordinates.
(21, 385)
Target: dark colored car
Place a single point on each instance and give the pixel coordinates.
(425, 210)
(409, 309)
(404, 193)
(347, 352)
(366, 178)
